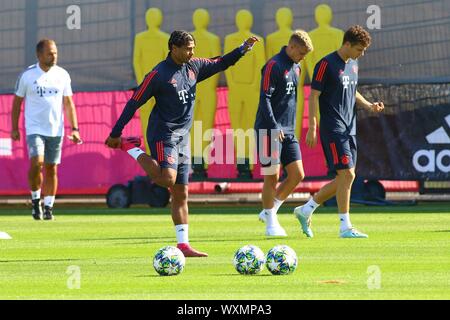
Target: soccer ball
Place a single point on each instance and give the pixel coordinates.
(249, 260)
(169, 261)
(281, 260)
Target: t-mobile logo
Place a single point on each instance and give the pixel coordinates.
(183, 95)
(43, 91)
(290, 87)
(345, 81)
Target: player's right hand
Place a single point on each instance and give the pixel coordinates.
(15, 135)
(281, 136)
(248, 44)
(311, 137)
(113, 142)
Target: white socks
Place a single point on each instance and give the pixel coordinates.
(309, 207)
(49, 201)
(344, 218)
(271, 214)
(272, 219)
(36, 194)
(182, 232)
(135, 152)
(276, 204)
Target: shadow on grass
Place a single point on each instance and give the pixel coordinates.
(41, 260)
(435, 207)
(151, 276)
(118, 239)
(240, 275)
(151, 240)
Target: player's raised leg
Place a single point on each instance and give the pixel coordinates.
(164, 178)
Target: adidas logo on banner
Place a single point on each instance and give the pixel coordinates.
(434, 159)
(440, 136)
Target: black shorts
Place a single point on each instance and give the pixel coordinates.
(340, 151)
(271, 151)
(172, 153)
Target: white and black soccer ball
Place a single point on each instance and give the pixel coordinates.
(249, 260)
(169, 261)
(281, 260)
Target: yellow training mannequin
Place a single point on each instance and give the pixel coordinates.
(150, 47)
(325, 39)
(276, 40)
(244, 81)
(207, 46)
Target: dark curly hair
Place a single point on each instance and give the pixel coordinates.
(357, 35)
(180, 38)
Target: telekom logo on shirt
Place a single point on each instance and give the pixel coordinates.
(41, 91)
(183, 95)
(290, 87)
(345, 81)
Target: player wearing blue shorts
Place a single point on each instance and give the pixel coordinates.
(334, 93)
(173, 84)
(46, 89)
(275, 128)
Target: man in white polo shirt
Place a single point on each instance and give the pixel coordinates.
(46, 89)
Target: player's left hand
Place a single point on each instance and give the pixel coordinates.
(113, 142)
(248, 44)
(377, 106)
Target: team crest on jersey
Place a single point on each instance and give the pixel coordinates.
(170, 159)
(341, 71)
(191, 75)
(286, 73)
(345, 159)
(355, 69)
(173, 82)
(297, 71)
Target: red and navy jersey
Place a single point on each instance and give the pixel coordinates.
(337, 82)
(278, 94)
(173, 87)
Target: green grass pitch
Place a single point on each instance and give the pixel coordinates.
(407, 255)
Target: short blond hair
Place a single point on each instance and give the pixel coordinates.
(302, 38)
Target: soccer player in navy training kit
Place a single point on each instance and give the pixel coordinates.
(275, 128)
(334, 93)
(173, 84)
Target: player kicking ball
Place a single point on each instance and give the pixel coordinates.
(173, 84)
